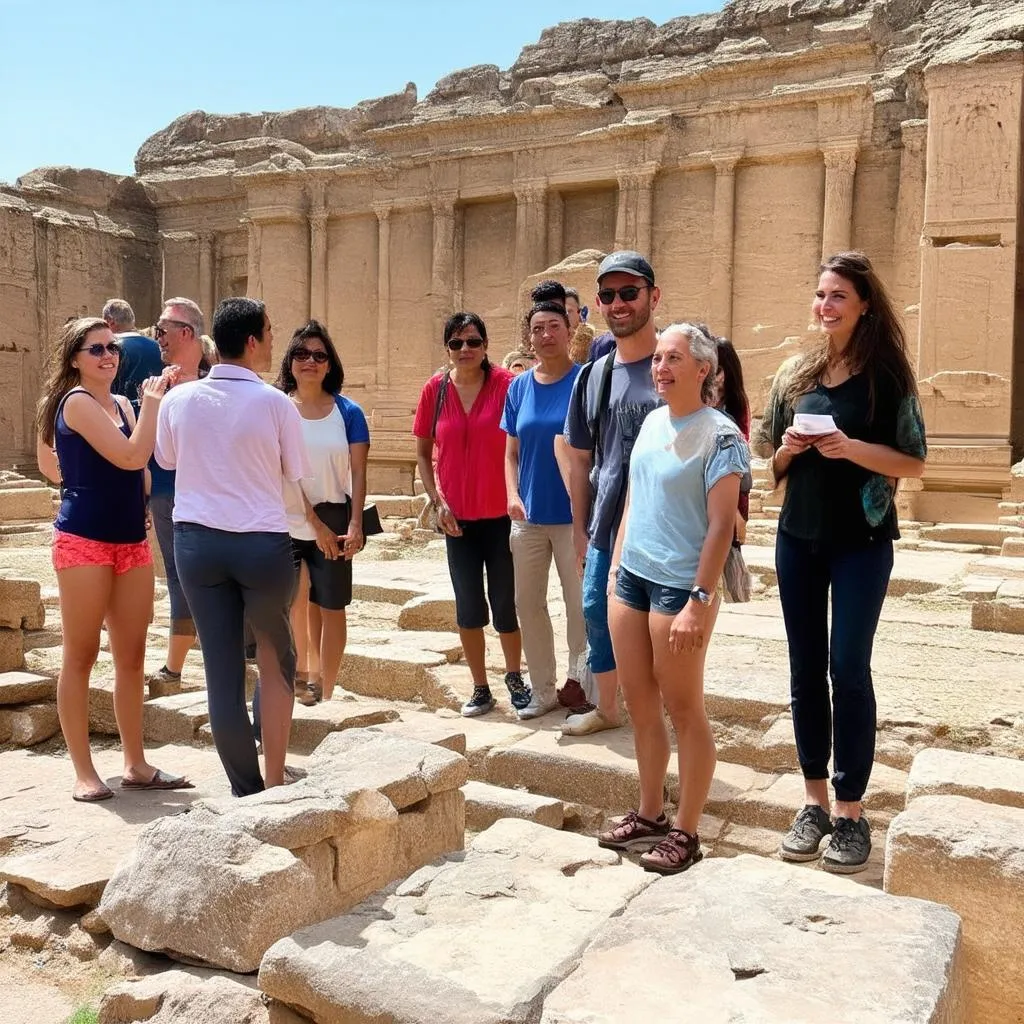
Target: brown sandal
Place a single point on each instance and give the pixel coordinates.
(675, 853)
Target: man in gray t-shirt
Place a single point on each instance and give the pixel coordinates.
(610, 399)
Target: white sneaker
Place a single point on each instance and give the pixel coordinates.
(538, 706)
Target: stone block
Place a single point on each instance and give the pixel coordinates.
(312, 725)
(744, 938)
(1013, 547)
(428, 728)
(21, 607)
(175, 718)
(441, 946)
(70, 873)
(969, 855)
(183, 997)
(12, 650)
(993, 780)
(26, 503)
(26, 688)
(429, 611)
(33, 723)
(223, 883)
(399, 671)
(998, 616)
(486, 804)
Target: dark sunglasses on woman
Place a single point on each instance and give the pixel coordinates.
(303, 355)
(455, 344)
(97, 349)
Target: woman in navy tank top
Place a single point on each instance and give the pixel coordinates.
(88, 438)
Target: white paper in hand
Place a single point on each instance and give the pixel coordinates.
(812, 424)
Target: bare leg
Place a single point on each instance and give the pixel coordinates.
(276, 705)
(475, 652)
(643, 699)
(84, 594)
(607, 694)
(178, 647)
(314, 634)
(816, 792)
(512, 650)
(333, 636)
(299, 618)
(131, 600)
(681, 681)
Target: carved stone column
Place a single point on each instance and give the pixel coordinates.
(383, 211)
(556, 228)
(442, 275)
(633, 217)
(318, 264)
(723, 239)
(837, 226)
(253, 281)
(531, 228)
(206, 270)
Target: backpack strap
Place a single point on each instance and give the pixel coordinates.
(442, 393)
(603, 399)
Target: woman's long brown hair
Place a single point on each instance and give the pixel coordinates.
(878, 346)
(63, 376)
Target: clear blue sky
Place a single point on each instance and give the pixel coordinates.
(85, 82)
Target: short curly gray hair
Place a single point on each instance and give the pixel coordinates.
(703, 348)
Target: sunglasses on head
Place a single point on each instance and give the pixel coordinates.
(455, 344)
(161, 328)
(98, 348)
(606, 296)
(303, 355)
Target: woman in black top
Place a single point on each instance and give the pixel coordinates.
(836, 531)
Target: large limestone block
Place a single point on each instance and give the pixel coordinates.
(745, 939)
(429, 611)
(473, 942)
(415, 725)
(969, 855)
(993, 780)
(405, 771)
(33, 723)
(26, 503)
(183, 997)
(20, 604)
(70, 873)
(394, 672)
(223, 883)
(487, 804)
(12, 650)
(174, 717)
(26, 687)
(312, 725)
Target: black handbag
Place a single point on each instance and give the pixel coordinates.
(371, 520)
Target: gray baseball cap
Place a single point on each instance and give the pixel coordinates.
(626, 261)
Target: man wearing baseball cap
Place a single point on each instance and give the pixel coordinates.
(610, 399)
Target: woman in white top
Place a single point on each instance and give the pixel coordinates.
(325, 513)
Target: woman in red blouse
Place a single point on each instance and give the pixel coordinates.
(460, 412)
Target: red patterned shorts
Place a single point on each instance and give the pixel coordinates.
(71, 551)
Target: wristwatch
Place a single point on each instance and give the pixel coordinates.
(700, 594)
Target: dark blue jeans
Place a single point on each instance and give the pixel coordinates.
(231, 579)
(844, 726)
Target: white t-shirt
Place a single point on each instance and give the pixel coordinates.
(330, 476)
(233, 440)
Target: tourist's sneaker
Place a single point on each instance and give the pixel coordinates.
(479, 704)
(538, 706)
(804, 837)
(634, 832)
(849, 847)
(164, 683)
(518, 690)
(676, 852)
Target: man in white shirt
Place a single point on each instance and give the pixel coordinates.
(234, 440)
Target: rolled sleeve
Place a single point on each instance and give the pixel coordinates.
(730, 455)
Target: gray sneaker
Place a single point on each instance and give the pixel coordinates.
(804, 837)
(849, 847)
(479, 704)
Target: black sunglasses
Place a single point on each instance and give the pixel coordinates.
(97, 348)
(303, 355)
(456, 343)
(160, 330)
(606, 296)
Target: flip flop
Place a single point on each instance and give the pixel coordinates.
(94, 797)
(160, 780)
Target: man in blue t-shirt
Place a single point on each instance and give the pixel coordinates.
(140, 356)
(538, 503)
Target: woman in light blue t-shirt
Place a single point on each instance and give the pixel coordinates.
(684, 483)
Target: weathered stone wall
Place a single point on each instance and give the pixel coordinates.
(736, 149)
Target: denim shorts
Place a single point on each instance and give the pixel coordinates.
(644, 596)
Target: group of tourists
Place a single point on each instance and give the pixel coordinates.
(623, 458)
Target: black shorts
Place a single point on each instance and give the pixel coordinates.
(483, 545)
(330, 581)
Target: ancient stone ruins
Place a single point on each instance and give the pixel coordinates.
(431, 868)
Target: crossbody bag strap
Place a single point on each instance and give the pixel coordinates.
(442, 392)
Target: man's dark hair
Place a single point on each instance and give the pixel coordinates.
(335, 376)
(235, 321)
(548, 291)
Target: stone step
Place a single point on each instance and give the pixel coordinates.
(30, 503)
(486, 804)
(26, 688)
(408, 666)
(1013, 547)
(1001, 566)
(993, 780)
(1003, 614)
(989, 534)
(429, 612)
(404, 506)
(25, 725)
